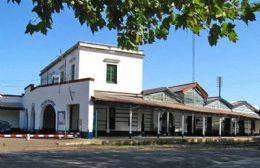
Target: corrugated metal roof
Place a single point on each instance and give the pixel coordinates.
(11, 106)
(161, 89)
(241, 103)
(187, 86)
(138, 100)
(213, 99)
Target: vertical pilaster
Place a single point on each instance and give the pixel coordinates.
(231, 126)
(158, 124)
(192, 124)
(220, 126)
(248, 129)
(107, 123)
(204, 125)
(235, 131)
(130, 122)
(182, 124)
(168, 116)
(22, 119)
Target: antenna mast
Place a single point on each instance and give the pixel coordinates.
(193, 58)
(219, 84)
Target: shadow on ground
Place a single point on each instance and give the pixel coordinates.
(188, 158)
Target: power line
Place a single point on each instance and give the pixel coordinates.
(12, 86)
(15, 80)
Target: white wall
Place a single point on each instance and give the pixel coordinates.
(69, 60)
(61, 96)
(129, 70)
(89, 63)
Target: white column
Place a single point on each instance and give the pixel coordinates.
(235, 131)
(231, 126)
(107, 130)
(168, 116)
(158, 124)
(130, 122)
(220, 126)
(192, 124)
(204, 125)
(256, 126)
(86, 112)
(22, 119)
(182, 124)
(248, 130)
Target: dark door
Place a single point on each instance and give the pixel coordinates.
(252, 127)
(189, 125)
(164, 123)
(49, 119)
(209, 126)
(227, 125)
(241, 125)
(142, 126)
(171, 124)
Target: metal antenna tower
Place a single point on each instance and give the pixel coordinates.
(219, 84)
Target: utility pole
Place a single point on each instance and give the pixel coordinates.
(219, 85)
(193, 58)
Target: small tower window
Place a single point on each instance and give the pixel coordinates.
(111, 73)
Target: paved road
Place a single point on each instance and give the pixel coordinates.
(249, 158)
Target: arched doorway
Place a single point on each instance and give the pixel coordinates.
(171, 128)
(49, 119)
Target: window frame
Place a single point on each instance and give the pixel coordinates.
(72, 72)
(62, 73)
(111, 73)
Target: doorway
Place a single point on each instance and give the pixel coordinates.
(74, 118)
(49, 119)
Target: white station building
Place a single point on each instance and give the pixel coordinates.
(97, 89)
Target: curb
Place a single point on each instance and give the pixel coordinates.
(36, 136)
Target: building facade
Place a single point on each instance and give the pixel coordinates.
(97, 89)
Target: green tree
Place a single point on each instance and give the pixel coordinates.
(139, 22)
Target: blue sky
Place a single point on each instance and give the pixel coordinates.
(166, 62)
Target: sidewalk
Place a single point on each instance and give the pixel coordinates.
(17, 144)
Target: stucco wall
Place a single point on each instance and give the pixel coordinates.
(62, 96)
(129, 71)
(64, 65)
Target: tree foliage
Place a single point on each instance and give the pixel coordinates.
(139, 22)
